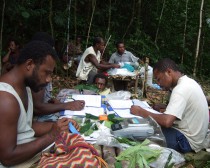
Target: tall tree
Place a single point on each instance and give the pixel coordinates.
(75, 19)
(184, 34)
(50, 18)
(131, 19)
(160, 18)
(198, 40)
(90, 24)
(2, 27)
(109, 18)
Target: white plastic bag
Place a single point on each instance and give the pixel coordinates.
(176, 157)
(119, 95)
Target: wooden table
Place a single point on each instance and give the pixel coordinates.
(135, 78)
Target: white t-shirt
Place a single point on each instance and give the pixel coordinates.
(149, 75)
(188, 103)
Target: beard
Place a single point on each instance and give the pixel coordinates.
(33, 82)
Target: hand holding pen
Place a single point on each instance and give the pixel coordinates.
(75, 105)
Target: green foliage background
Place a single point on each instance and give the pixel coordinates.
(134, 21)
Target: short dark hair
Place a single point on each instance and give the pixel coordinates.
(37, 51)
(16, 41)
(118, 43)
(97, 40)
(43, 36)
(164, 64)
(102, 76)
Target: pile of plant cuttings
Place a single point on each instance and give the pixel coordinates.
(90, 123)
(140, 155)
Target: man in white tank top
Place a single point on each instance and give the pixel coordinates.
(91, 62)
(20, 139)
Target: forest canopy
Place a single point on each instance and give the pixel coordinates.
(153, 28)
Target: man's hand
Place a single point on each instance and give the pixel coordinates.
(76, 105)
(136, 110)
(62, 125)
(9, 50)
(159, 107)
(116, 66)
(75, 124)
(58, 127)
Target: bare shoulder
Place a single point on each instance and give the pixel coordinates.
(91, 58)
(9, 106)
(9, 113)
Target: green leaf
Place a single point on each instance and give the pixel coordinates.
(168, 165)
(87, 87)
(140, 154)
(118, 164)
(90, 131)
(114, 119)
(108, 124)
(90, 116)
(85, 128)
(140, 161)
(127, 141)
(25, 14)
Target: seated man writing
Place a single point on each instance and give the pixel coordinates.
(20, 139)
(185, 120)
(45, 106)
(91, 62)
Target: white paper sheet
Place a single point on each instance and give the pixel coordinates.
(125, 113)
(142, 104)
(120, 104)
(122, 107)
(90, 100)
(96, 111)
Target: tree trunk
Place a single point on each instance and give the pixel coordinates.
(184, 35)
(132, 18)
(144, 83)
(109, 21)
(94, 6)
(198, 40)
(75, 20)
(50, 18)
(161, 15)
(201, 60)
(2, 28)
(67, 41)
(138, 13)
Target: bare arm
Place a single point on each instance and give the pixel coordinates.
(94, 61)
(42, 108)
(42, 128)
(159, 107)
(6, 57)
(165, 120)
(105, 63)
(10, 152)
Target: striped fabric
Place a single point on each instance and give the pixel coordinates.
(71, 150)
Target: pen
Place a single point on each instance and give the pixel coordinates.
(72, 129)
(81, 91)
(132, 102)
